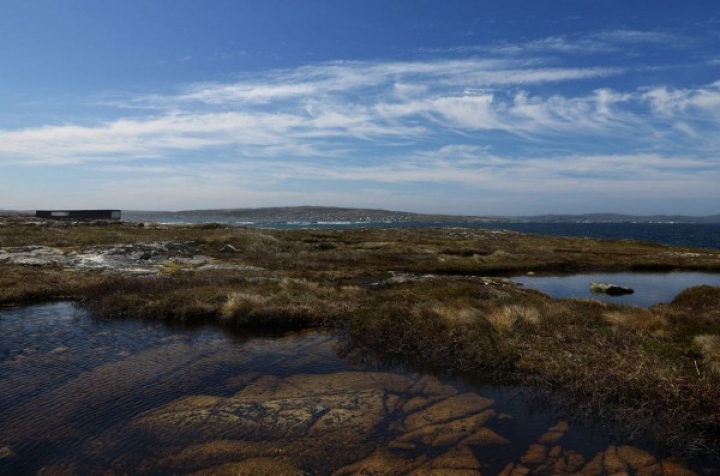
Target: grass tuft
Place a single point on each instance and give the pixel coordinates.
(505, 318)
(639, 321)
(709, 348)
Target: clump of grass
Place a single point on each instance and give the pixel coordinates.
(457, 315)
(241, 303)
(709, 348)
(639, 321)
(505, 318)
(699, 297)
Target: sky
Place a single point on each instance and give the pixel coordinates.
(512, 107)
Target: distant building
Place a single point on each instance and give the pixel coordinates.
(79, 215)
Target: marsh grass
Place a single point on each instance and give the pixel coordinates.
(709, 348)
(652, 370)
(639, 321)
(506, 318)
(21, 285)
(290, 304)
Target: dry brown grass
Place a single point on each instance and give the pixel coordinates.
(709, 348)
(455, 315)
(241, 304)
(639, 321)
(507, 317)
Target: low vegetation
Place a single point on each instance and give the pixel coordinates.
(417, 296)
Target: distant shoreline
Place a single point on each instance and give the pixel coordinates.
(339, 214)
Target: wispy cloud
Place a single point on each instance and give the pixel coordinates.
(325, 110)
(312, 110)
(700, 102)
(503, 123)
(610, 41)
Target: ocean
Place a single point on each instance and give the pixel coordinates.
(694, 235)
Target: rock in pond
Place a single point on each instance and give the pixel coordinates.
(610, 289)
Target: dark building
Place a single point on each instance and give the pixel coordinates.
(79, 215)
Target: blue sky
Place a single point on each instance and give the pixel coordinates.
(510, 107)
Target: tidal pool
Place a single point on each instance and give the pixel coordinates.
(81, 396)
(650, 288)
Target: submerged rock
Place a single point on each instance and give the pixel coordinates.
(610, 289)
(432, 428)
(6, 452)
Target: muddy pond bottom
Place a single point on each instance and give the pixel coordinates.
(81, 396)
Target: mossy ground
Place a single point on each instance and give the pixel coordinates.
(654, 370)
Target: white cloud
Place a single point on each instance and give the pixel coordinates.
(701, 103)
(332, 123)
(501, 125)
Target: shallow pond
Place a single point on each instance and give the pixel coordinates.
(650, 288)
(81, 396)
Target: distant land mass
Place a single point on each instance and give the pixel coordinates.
(314, 214)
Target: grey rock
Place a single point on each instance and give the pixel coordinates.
(142, 258)
(610, 289)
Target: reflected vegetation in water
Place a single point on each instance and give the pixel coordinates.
(81, 397)
(649, 288)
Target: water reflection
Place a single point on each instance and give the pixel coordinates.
(650, 288)
(83, 397)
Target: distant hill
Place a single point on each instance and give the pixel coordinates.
(619, 218)
(340, 214)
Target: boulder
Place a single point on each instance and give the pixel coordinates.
(610, 289)
(228, 249)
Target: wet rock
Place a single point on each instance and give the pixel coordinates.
(635, 457)
(144, 375)
(381, 462)
(573, 461)
(469, 429)
(485, 436)
(254, 467)
(350, 403)
(672, 468)
(214, 453)
(613, 463)
(447, 409)
(512, 470)
(595, 466)
(450, 421)
(610, 289)
(554, 434)
(536, 454)
(461, 458)
(6, 452)
(429, 385)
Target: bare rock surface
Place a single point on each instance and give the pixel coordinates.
(136, 258)
(328, 421)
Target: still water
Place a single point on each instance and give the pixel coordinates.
(650, 288)
(81, 396)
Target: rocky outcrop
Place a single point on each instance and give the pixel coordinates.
(136, 258)
(610, 289)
